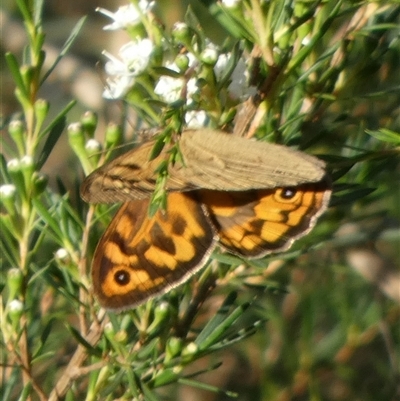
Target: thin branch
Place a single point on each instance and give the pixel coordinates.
(83, 296)
(74, 369)
(92, 336)
(26, 371)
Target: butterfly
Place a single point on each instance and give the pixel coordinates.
(250, 198)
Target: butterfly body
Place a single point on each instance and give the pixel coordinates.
(227, 191)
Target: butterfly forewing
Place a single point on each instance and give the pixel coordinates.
(258, 222)
(139, 257)
(131, 176)
(211, 159)
(220, 161)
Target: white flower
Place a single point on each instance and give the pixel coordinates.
(7, 190)
(212, 46)
(221, 65)
(169, 88)
(61, 254)
(239, 87)
(172, 67)
(117, 87)
(146, 6)
(135, 57)
(16, 305)
(126, 16)
(191, 89)
(196, 119)
(230, 3)
(306, 40)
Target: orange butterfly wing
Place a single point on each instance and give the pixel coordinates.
(139, 256)
(258, 222)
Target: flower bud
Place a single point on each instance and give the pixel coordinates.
(14, 166)
(109, 329)
(15, 171)
(7, 197)
(230, 3)
(16, 130)
(173, 348)
(76, 138)
(161, 313)
(113, 136)
(121, 336)
(39, 182)
(209, 56)
(7, 191)
(115, 337)
(182, 62)
(62, 256)
(15, 310)
(27, 165)
(89, 123)
(190, 349)
(181, 33)
(93, 149)
(41, 108)
(14, 282)
(27, 74)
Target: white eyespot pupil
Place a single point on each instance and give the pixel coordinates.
(288, 193)
(122, 277)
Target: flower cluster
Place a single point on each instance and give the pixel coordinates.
(175, 69)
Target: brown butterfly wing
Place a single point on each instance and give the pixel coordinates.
(258, 222)
(139, 257)
(220, 161)
(211, 159)
(130, 176)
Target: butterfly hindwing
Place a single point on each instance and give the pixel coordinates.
(141, 256)
(258, 222)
